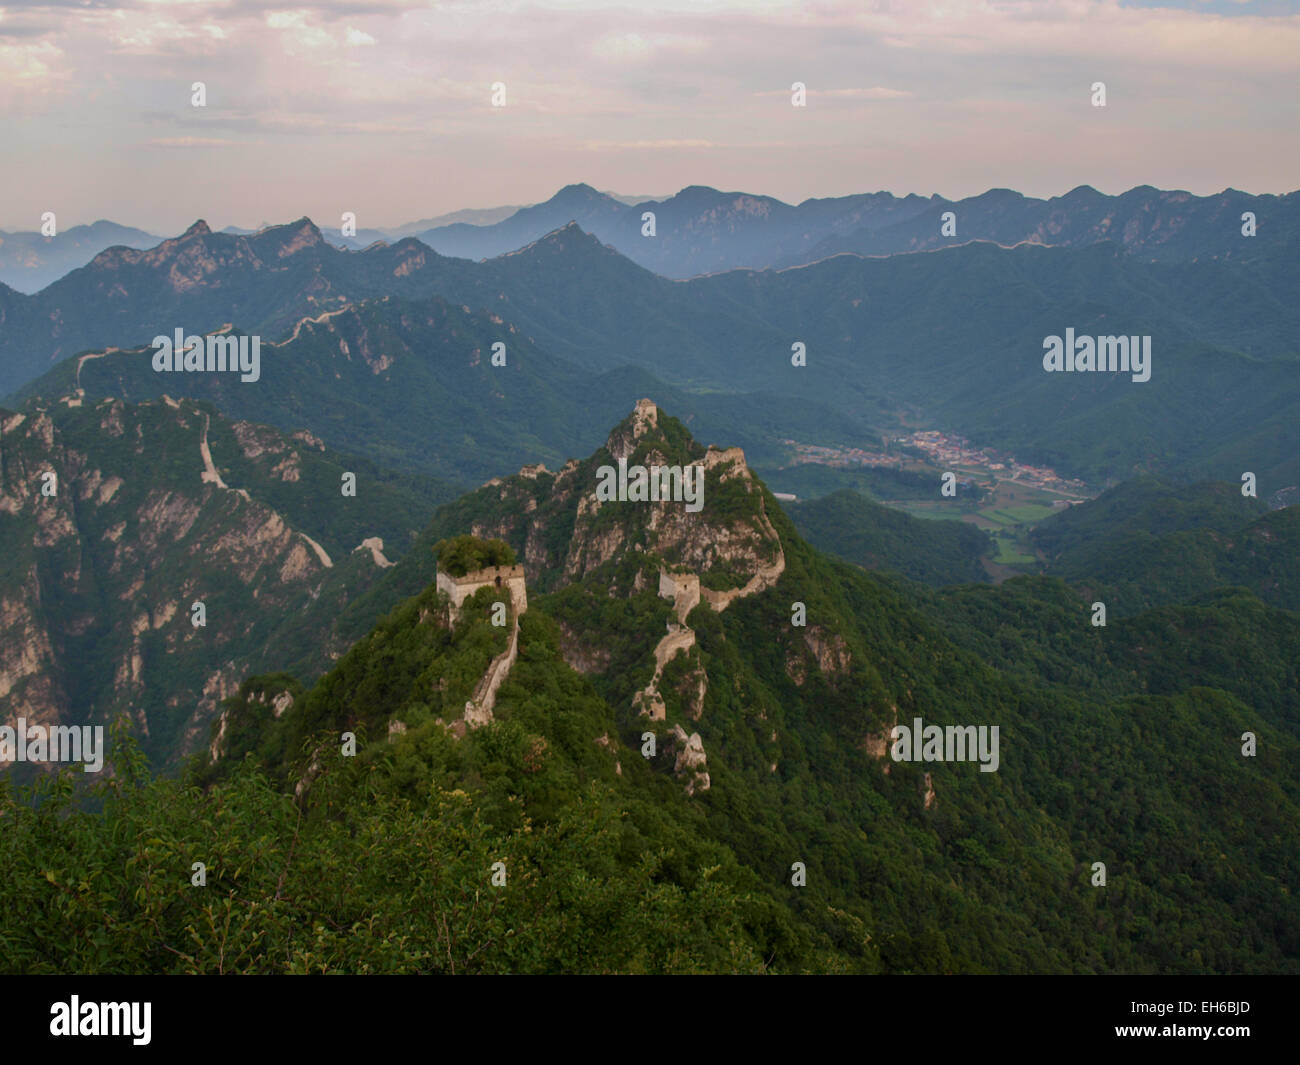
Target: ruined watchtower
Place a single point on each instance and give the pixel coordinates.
(508, 578)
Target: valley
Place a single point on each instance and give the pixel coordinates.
(741, 577)
(1013, 496)
(772, 703)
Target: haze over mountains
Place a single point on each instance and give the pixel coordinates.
(30, 261)
(704, 230)
(773, 735)
(953, 336)
(427, 378)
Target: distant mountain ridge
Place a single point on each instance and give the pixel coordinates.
(29, 261)
(956, 333)
(701, 230)
(1150, 223)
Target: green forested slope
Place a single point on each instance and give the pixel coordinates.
(1145, 544)
(1120, 745)
(859, 530)
(99, 578)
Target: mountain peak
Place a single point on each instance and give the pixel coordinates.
(624, 436)
(292, 236)
(198, 229)
(1083, 192)
(304, 226)
(696, 197)
(576, 194)
(673, 503)
(565, 239)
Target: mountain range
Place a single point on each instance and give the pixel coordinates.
(769, 828)
(658, 737)
(954, 337)
(703, 230)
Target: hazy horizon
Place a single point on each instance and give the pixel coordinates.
(384, 108)
(219, 224)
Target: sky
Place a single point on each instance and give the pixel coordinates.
(384, 107)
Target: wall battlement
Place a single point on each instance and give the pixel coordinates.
(509, 579)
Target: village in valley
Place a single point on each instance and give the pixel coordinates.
(1010, 496)
(957, 453)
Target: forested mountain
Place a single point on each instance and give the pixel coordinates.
(429, 387)
(862, 531)
(1146, 505)
(116, 518)
(770, 828)
(1146, 543)
(955, 337)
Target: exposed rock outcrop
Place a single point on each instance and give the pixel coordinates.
(141, 525)
(826, 649)
(690, 760)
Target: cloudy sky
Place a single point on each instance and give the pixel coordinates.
(384, 107)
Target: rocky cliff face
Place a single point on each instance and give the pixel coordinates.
(136, 580)
(572, 532)
(728, 541)
(162, 506)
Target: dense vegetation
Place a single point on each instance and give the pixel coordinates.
(859, 530)
(465, 554)
(1145, 505)
(1120, 745)
(370, 875)
(1149, 544)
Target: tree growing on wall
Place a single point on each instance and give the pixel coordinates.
(465, 554)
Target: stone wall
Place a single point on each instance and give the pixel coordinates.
(509, 578)
(478, 711)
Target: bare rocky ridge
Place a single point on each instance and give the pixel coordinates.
(535, 500)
